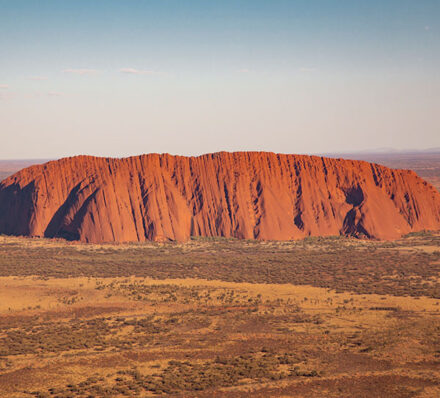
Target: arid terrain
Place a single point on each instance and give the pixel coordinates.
(334, 317)
(220, 199)
(319, 317)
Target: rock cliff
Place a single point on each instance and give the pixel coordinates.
(252, 195)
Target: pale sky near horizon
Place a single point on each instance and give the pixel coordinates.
(121, 78)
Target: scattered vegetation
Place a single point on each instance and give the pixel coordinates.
(398, 268)
(108, 321)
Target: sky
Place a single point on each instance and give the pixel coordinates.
(121, 78)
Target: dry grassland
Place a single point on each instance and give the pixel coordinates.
(330, 317)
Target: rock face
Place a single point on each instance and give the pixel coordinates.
(250, 195)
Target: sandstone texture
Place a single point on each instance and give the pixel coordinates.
(251, 195)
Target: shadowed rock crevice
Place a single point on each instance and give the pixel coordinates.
(18, 211)
(353, 227)
(71, 231)
(354, 196)
(56, 222)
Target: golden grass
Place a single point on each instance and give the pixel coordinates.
(138, 335)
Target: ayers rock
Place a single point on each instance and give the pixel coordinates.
(250, 195)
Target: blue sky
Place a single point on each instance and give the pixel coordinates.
(119, 78)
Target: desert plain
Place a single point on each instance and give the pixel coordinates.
(335, 317)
